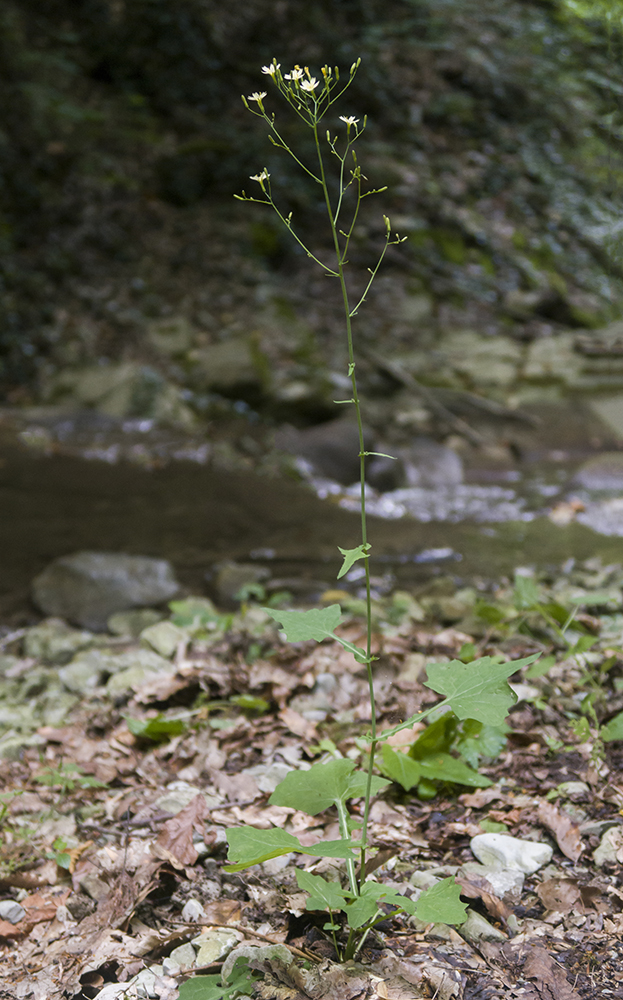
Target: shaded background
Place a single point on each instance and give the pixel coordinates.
(497, 126)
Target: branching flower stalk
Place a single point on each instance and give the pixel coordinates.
(311, 99)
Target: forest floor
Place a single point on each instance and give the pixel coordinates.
(113, 822)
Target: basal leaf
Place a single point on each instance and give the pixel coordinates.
(323, 895)
(323, 785)
(248, 846)
(613, 730)
(477, 741)
(441, 904)
(366, 906)
(477, 690)
(157, 729)
(443, 767)
(241, 981)
(332, 849)
(399, 767)
(358, 782)
(351, 556)
(360, 911)
(300, 626)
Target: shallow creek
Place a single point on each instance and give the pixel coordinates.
(92, 492)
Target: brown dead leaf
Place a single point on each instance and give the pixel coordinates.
(551, 982)
(397, 988)
(477, 887)
(222, 911)
(560, 894)
(175, 841)
(566, 832)
(38, 910)
(298, 724)
(481, 797)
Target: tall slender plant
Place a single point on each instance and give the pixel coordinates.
(479, 691)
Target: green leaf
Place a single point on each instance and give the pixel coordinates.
(437, 737)
(540, 668)
(584, 643)
(323, 785)
(399, 767)
(249, 703)
(241, 981)
(157, 729)
(351, 556)
(477, 690)
(526, 593)
(477, 741)
(443, 767)
(318, 624)
(613, 730)
(300, 626)
(441, 904)
(248, 846)
(323, 895)
(366, 906)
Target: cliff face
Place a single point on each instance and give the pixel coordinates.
(496, 124)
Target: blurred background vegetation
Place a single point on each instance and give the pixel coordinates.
(497, 124)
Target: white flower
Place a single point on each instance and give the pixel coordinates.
(309, 85)
(260, 178)
(296, 74)
(350, 120)
(257, 97)
(272, 69)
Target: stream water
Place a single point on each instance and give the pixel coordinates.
(93, 484)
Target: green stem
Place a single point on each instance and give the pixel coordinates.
(362, 492)
(345, 835)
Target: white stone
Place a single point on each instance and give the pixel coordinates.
(215, 945)
(193, 910)
(11, 911)
(184, 956)
(506, 883)
(497, 850)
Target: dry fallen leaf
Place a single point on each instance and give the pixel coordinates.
(561, 895)
(175, 841)
(551, 981)
(566, 832)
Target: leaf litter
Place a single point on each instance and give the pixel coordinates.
(113, 878)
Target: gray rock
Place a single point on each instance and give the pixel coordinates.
(331, 449)
(477, 928)
(54, 641)
(256, 954)
(94, 886)
(134, 668)
(12, 745)
(88, 587)
(428, 463)
(12, 911)
(604, 472)
(231, 577)
(171, 336)
(183, 956)
(228, 366)
(506, 883)
(86, 672)
(502, 851)
(216, 944)
(164, 637)
(179, 794)
(132, 623)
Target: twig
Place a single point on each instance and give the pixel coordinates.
(249, 932)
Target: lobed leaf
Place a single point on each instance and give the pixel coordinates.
(323, 895)
(477, 690)
(322, 786)
(301, 626)
(441, 904)
(351, 556)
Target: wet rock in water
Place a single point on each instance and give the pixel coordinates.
(428, 463)
(88, 587)
(122, 390)
(603, 472)
(331, 449)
